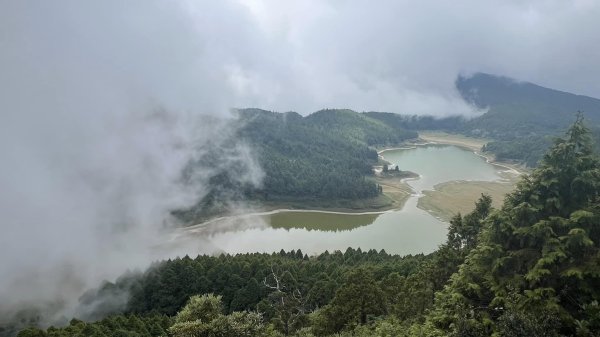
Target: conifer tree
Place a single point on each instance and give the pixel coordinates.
(536, 266)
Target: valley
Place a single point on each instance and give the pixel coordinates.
(416, 225)
(260, 168)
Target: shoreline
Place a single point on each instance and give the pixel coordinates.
(275, 211)
(426, 139)
(475, 144)
(341, 211)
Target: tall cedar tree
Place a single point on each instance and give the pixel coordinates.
(536, 268)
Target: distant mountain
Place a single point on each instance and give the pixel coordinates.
(521, 118)
(521, 109)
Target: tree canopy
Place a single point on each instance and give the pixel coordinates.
(530, 268)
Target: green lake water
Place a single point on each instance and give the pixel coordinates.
(406, 231)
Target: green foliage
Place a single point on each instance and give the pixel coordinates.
(166, 286)
(326, 155)
(418, 122)
(32, 332)
(286, 305)
(358, 300)
(528, 150)
(535, 267)
(360, 128)
(531, 268)
(522, 118)
(150, 325)
(463, 232)
(409, 297)
(200, 307)
(516, 322)
(519, 109)
(202, 317)
(310, 284)
(362, 292)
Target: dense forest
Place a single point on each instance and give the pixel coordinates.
(326, 155)
(522, 117)
(530, 268)
(414, 122)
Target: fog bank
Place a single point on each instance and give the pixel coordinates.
(102, 104)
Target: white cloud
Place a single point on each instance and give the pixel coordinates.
(100, 102)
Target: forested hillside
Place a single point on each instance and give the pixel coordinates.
(414, 122)
(326, 155)
(518, 109)
(530, 268)
(521, 117)
(535, 270)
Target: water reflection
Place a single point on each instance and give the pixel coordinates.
(321, 221)
(407, 231)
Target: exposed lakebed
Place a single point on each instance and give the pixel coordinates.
(407, 231)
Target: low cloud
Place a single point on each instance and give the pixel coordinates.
(102, 105)
(102, 108)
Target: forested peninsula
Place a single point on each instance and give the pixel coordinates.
(528, 268)
(323, 160)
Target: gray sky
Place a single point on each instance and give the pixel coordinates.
(403, 56)
(100, 102)
(399, 56)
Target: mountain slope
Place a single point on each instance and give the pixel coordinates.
(535, 269)
(522, 118)
(517, 109)
(325, 156)
(530, 268)
(358, 127)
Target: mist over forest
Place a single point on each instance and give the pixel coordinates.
(192, 168)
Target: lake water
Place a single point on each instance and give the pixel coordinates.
(406, 231)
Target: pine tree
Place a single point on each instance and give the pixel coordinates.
(536, 266)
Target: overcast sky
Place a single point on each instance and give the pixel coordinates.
(399, 56)
(403, 56)
(100, 101)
